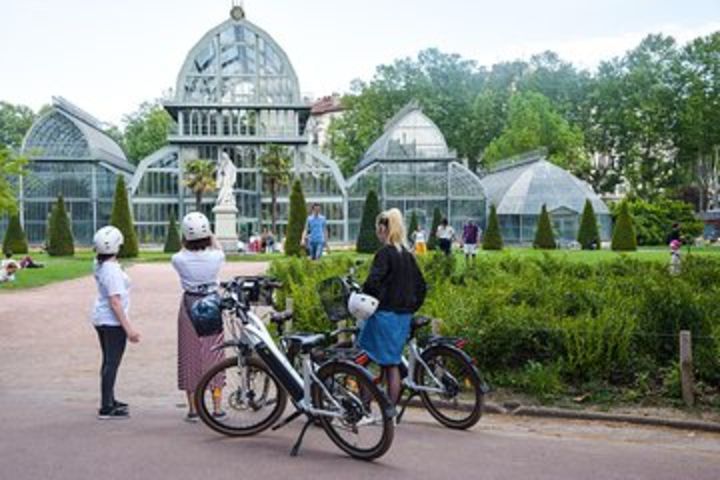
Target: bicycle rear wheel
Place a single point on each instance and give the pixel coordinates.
(240, 401)
(364, 429)
(459, 404)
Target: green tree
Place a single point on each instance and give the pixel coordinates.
(15, 240)
(493, 237)
(146, 130)
(413, 226)
(296, 222)
(15, 121)
(11, 167)
(367, 241)
(60, 242)
(533, 123)
(623, 237)
(652, 220)
(544, 236)
(121, 218)
(432, 239)
(200, 179)
(588, 234)
(172, 241)
(275, 164)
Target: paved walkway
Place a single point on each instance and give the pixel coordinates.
(49, 387)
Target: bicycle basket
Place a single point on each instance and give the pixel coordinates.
(334, 294)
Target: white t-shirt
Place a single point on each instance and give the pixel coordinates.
(111, 281)
(198, 270)
(446, 233)
(419, 236)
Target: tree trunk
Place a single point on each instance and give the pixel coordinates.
(273, 206)
(198, 201)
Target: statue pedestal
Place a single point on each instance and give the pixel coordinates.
(226, 227)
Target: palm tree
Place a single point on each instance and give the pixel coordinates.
(200, 179)
(275, 168)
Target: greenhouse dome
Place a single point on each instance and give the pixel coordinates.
(71, 155)
(520, 186)
(410, 167)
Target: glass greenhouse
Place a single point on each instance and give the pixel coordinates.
(70, 155)
(411, 168)
(520, 186)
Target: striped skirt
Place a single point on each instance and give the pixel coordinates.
(195, 355)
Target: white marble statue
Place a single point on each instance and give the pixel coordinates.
(226, 177)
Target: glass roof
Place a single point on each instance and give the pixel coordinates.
(523, 189)
(409, 135)
(237, 63)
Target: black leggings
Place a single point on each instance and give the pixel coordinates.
(112, 343)
(445, 245)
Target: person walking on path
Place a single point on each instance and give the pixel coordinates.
(198, 265)
(445, 236)
(419, 243)
(397, 283)
(471, 237)
(315, 235)
(110, 318)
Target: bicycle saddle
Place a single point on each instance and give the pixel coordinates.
(306, 342)
(280, 317)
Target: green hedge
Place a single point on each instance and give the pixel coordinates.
(367, 241)
(653, 220)
(623, 237)
(173, 243)
(15, 240)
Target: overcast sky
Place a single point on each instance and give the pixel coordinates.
(109, 56)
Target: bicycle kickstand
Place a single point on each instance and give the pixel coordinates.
(399, 417)
(296, 447)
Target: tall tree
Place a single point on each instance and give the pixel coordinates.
(200, 179)
(432, 238)
(296, 221)
(15, 121)
(146, 130)
(544, 236)
(15, 240)
(173, 243)
(11, 167)
(413, 226)
(623, 236)
(367, 241)
(589, 234)
(121, 218)
(275, 165)
(493, 236)
(60, 241)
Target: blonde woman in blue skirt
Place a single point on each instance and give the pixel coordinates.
(396, 281)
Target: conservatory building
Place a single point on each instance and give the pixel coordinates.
(410, 167)
(520, 186)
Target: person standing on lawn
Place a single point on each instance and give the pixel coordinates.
(110, 318)
(445, 236)
(471, 237)
(315, 235)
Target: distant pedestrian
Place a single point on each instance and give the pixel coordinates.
(675, 260)
(419, 242)
(674, 234)
(315, 235)
(471, 237)
(110, 317)
(445, 235)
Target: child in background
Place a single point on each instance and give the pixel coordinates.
(675, 259)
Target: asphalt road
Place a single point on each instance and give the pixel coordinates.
(48, 398)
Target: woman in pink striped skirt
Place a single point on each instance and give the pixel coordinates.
(198, 265)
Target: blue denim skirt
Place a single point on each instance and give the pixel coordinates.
(384, 335)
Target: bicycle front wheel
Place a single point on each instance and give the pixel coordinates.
(456, 398)
(362, 426)
(240, 400)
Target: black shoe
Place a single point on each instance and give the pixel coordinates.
(192, 418)
(112, 413)
(120, 405)
(219, 414)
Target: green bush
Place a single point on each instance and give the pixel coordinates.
(173, 243)
(432, 239)
(367, 241)
(623, 237)
(121, 218)
(413, 226)
(60, 242)
(296, 221)
(588, 234)
(544, 236)
(653, 220)
(493, 237)
(15, 240)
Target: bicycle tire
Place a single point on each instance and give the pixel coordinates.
(473, 376)
(217, 424)
(364, 383)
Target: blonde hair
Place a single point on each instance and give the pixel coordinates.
(393, 220)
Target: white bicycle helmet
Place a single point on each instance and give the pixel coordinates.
(362, 306)
(108, 240)
(196, 226)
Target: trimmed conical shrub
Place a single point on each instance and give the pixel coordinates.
(296, 221)
(121, 218)
(413, 226)
(432, 239)
(493, 237)
(623, 238)
(367, 241)
(589, 234)
(172, 240)
(60, 241)
(15, 240)
(544, 236)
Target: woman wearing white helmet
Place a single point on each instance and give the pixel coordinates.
(198, 265)
(110, 318)
(399, 287)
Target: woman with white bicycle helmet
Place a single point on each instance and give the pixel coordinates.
(198, 266)
(110, 318)
(393, 291)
